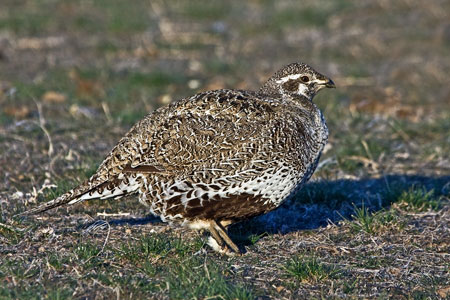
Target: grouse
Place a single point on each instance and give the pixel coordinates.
(217, 157)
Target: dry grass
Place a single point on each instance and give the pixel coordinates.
(372, 224)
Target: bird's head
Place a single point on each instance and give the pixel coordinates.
(297, 79)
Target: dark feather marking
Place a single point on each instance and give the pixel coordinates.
(291, 85)
(234, 207)
(142, 169)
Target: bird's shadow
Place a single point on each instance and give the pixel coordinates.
(320, 203)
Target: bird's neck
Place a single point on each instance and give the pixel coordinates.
(310, 113)
(269, 88)
(304, 103)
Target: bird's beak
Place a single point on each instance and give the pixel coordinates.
(325, 83)
(330, 84)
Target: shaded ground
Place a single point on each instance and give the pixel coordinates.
(74, 76)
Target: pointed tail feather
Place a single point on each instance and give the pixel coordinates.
(113, 188)
(64, 199)
(73, 196)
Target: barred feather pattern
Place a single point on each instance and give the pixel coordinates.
(218, 155)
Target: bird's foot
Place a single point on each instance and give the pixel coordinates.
(221, 242)
(226, 250)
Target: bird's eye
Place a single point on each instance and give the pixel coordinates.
(304, 78)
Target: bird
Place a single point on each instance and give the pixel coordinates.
(218, 157)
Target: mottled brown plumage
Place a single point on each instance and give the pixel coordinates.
(219, 156)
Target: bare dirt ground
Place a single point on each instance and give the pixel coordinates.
(373, 222)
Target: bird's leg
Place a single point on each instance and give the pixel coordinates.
(222, 238)
(227, 240)
(215, 235)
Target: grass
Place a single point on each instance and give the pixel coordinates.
(153, 246)
(419, 200)
(21, 270)
(310, 269)
(414, 199)
(184, 275)
(373, 260)
(312, 15)
(85, 251)
(11, 234)
(93, 17)
(84, 84)
(207, 11)
(57, 261)
(376, 222)
(195, 278)
(371, 225)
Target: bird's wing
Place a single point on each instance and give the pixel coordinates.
(215, 131)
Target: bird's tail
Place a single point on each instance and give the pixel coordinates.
(91, 189)
(71, 197)
(60, 201)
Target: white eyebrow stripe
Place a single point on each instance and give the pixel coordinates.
(287, 78)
